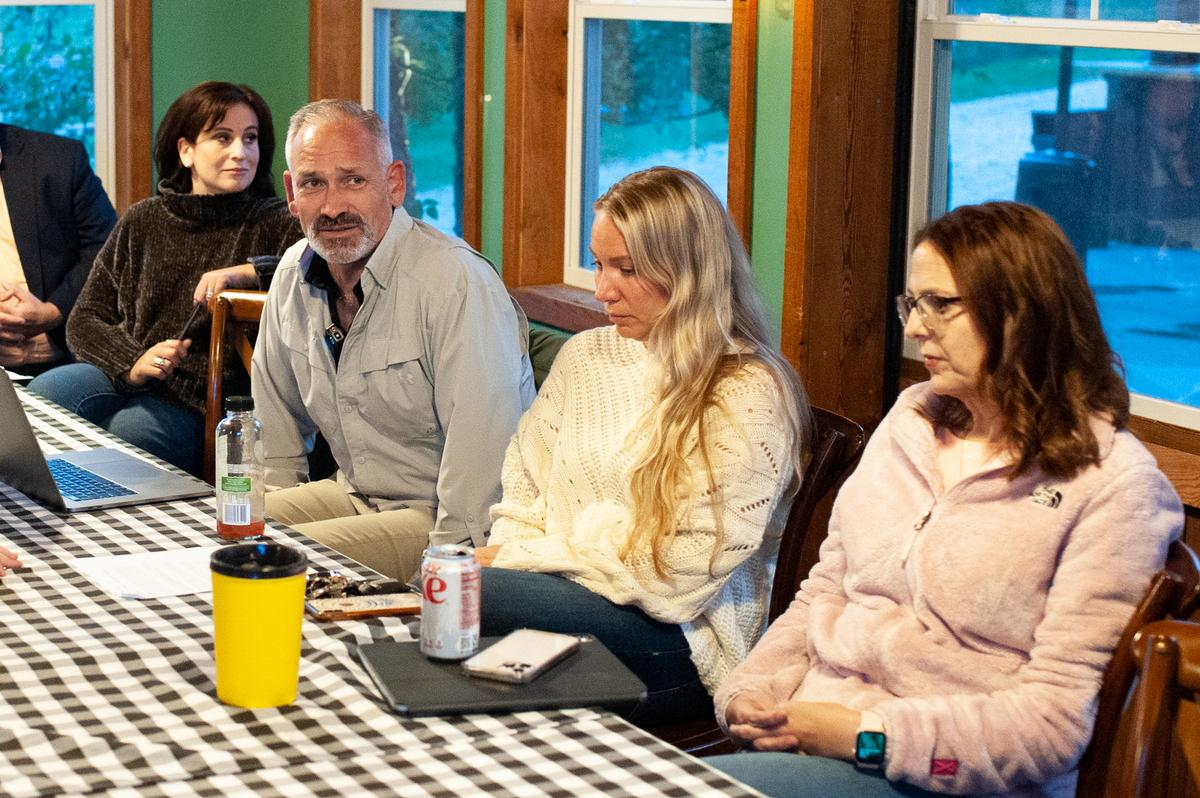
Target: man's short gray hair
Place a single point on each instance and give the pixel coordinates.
(340, 110)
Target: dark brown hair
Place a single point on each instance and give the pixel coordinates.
(198, 109)
(1048, 366)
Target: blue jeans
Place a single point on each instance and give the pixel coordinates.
(783, 775)
(657, 652)
(168, 431)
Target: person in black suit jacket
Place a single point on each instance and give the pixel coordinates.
(60, 217)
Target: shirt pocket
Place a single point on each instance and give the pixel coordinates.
(307, 351)
(397, 389)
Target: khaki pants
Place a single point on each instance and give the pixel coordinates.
(391, 542)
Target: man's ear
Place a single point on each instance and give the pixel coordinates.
(397, 179)
(290, 191)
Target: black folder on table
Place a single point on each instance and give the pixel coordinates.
(413, 684)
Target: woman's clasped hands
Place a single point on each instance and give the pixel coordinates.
(823, 729)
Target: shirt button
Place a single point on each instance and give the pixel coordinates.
(347, 408)
(470, 519)
(360, 459)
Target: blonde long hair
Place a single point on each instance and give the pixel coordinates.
(681, 240)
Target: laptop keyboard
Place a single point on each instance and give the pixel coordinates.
(79, 484)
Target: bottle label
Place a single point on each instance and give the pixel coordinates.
(235, 513)
(239, 493)
(236, 484)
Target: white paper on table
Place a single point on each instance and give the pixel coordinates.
(155, 574)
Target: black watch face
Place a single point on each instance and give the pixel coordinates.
(870, 748)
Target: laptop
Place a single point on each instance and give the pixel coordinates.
(87, 480)
(412, 684)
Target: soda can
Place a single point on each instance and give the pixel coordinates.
(449, 602)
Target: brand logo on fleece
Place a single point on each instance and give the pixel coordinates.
(943, 767)
(1046, 496)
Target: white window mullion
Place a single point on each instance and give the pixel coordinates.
(1072, 33)
(573, 273)
(105, 86)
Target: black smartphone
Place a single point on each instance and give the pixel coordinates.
(187, 325)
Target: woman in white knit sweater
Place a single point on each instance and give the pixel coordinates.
(644, 491)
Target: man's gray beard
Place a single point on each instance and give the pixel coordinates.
(344, 251)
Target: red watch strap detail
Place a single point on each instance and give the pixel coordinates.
(943, 767)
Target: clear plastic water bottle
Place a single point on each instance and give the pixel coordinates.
(239, 467)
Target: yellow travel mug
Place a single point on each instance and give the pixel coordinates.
(258, 605)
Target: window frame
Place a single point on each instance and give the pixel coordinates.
(103, 80)
(928, 151)
(535, 121)
(472, 91)
(579, 116)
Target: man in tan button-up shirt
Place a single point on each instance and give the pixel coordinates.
(399, 344)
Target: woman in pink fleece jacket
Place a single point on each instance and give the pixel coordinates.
(983, 558)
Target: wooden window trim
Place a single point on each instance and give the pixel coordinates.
(335, 70)
(560, 305)
(131, 102)
(535, 157)
(743, 61)
(334, 49)
(841, 195)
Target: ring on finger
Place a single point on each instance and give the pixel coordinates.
(161, 362)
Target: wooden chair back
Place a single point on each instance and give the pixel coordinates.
(235, 318)
(1164, 716)
(1174, 592)
(837, 443)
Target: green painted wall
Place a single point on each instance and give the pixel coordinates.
(492, 245)
(771, 123)
(263, 44)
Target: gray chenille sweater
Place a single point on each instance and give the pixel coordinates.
(140, 289)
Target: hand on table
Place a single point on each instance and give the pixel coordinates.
(8, 560)
(216, 281)
(818, 728)
(486, 555)
(22, 315)
(157, 362)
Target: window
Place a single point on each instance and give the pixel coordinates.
(55, 73)
(648, 85)
(1091, 111)
(413, 73)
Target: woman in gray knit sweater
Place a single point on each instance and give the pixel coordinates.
(215, 222)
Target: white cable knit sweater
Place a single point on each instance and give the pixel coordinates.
(567, 506)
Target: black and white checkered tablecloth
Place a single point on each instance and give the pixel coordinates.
(117, 696)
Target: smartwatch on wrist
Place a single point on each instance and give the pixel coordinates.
(870, 744)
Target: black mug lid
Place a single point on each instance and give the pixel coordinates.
(258, 561)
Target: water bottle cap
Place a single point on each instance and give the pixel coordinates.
(238, 404)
